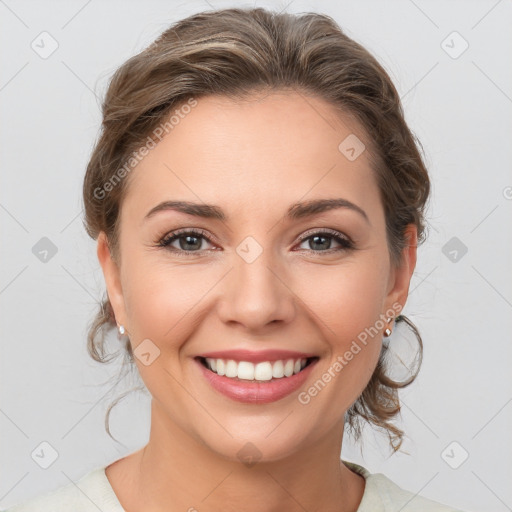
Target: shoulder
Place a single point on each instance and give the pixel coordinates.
(90, 494)
(383, 495)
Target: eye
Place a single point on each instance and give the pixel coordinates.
(321, 241)
(188, 240)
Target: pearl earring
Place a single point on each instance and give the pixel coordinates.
(121, 330)
(387, 330)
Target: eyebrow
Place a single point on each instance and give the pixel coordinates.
(295, 211)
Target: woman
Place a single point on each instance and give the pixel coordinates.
(257, 200)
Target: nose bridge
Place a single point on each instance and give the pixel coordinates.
(256, 294)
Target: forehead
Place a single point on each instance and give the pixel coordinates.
(263, 150)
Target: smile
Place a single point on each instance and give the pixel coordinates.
(267, 378)
(262, 371)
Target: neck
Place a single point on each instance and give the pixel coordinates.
(176, 472)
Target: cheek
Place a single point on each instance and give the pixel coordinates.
(346, 304)
(348, 298)
(159, 298)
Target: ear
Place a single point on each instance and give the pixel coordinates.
(400, 277)
(111, 274)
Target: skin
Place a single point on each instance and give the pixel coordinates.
(253, 159)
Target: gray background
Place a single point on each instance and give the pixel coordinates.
(459, 106)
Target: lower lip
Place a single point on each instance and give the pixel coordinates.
(256, 392)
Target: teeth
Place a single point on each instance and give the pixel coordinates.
(245, 370)
(263, 371)
(278, 370)
(288, 368)
(231, 369)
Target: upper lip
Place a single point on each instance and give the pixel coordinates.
(256, 356)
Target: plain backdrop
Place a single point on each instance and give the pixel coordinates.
(451, 64)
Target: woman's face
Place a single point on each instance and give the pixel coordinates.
(263, 274)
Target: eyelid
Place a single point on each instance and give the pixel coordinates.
(174, 234)
(329, 231)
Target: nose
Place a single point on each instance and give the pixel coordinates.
(256, 294)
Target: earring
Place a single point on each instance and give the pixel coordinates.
(387, 330)
(121, 330)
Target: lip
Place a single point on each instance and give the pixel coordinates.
(255, 392)
(256, 356)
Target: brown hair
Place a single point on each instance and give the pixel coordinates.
(234, 52)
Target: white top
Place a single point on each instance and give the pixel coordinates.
(93, 492)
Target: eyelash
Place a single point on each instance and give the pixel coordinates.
(344, 241)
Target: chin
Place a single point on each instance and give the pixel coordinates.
(254, 447)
